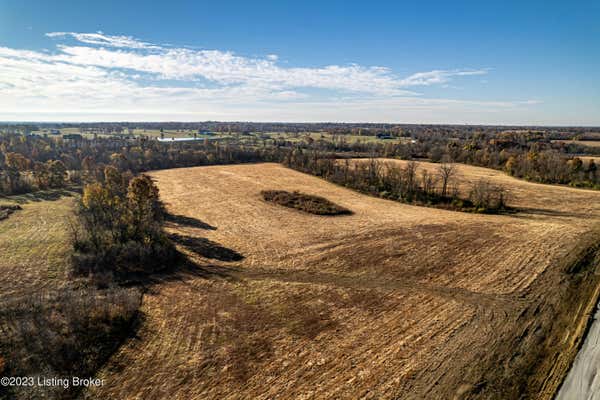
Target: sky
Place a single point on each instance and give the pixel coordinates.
(460, 62)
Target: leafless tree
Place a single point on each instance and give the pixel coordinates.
(428, 182)
(410, 176)
(447, 172)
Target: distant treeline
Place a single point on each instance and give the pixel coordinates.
(330, 127)
(34, 162)
(29, 163)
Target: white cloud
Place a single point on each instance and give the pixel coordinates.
(438, 76)
(120, 74)
(101, 39)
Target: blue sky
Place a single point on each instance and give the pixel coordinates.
(378, 61)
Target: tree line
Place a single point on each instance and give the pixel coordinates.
(408, 183)
(33, 162)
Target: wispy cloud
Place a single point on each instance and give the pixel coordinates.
(96, 72)
(439, 76)
(101, 39)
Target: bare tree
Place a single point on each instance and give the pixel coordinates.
(447, 172)
(410, 177)
(428, 182)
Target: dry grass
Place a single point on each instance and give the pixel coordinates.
(34, 244)
(587, 159)
(394, 301)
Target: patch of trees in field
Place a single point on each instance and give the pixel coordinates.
(304, 202)
(407, 184)
(120, 227)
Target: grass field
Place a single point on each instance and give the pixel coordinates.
(34, 244)
(394, 301)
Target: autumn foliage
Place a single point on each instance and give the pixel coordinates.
(120, 227)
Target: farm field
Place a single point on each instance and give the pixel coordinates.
(589, 158)
(379, 304)
(535, 201)
(591, 143)
(296, 137)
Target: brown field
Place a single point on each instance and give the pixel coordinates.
(589, 158)
(394, 301)
(591, 143)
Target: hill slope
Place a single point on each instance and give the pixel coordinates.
(394, 301)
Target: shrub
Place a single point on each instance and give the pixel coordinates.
(486, 197)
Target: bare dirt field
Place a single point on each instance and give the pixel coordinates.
(394, 301)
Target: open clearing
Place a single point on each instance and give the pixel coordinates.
(394, 301)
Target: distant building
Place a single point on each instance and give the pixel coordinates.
(205, 132)
(55, 131)
(184, 139)
(383, 135)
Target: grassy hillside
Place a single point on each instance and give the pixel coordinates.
(34, 243)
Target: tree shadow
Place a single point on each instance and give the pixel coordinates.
(191, 222)
(181, 271)
(42, 195)
(206, 248)
(528, 212)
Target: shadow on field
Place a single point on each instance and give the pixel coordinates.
(525, 212)
(183, 271)
(190, 222)
(206, 248)
(43, 195)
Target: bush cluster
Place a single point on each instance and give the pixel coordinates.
(305, 202)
